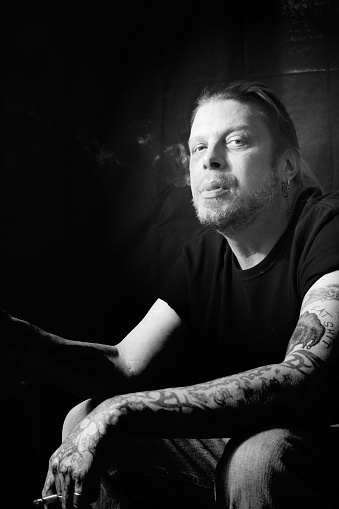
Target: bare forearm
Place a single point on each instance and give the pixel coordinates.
(276, 394)
(82, 368)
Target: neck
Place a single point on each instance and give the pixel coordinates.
(252, 245)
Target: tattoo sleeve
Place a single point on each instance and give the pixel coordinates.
(299, 390)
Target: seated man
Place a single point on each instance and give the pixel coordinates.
(244, 330)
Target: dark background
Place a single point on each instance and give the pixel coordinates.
(94, 202)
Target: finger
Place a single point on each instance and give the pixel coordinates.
(48, 492)
(67, 486)
(86, 490)
(77, 500)
(49, 485)
(53, 481)
(81, 496)
(81, 500)
(58, 488)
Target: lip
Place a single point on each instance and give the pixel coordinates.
(213, 189)
(214, 193)
(212, 185)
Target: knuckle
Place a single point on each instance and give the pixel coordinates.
(55, 467)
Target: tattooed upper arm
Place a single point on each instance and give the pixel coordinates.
(318, 324)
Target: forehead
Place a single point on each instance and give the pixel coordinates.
(220, 115)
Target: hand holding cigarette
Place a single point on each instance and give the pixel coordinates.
(40, 502)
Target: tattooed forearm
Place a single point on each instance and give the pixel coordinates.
(279, 393)
(304, 362)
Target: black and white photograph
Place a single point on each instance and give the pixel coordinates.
(169, 255)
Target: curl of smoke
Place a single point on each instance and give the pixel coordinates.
(171, 162)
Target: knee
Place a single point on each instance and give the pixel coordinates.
(249, 463)
(76, 415)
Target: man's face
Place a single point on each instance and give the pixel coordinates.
(231, 166)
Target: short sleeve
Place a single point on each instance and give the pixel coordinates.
(174, 291)
(322, 257)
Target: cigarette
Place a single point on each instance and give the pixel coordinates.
(39, 502)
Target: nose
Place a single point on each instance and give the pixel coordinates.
(213, 159)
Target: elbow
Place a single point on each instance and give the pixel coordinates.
(122, 367)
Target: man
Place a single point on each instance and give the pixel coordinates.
(250, 311)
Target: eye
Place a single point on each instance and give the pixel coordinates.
(236, 142)
(198, 148)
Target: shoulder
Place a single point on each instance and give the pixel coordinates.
(315, 247)
(316, 211)
(315, 203)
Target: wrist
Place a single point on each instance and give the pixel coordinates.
(91, 432)
(109, 416)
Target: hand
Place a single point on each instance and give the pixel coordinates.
(6, 327)
(19, 335)
(88, 370)
(76, 466)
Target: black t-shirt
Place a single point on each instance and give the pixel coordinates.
(241, 319)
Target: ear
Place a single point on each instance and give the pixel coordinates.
(292, 163)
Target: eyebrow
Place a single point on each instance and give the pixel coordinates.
(241, 127)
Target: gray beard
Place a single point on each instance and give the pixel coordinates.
(238, 216)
